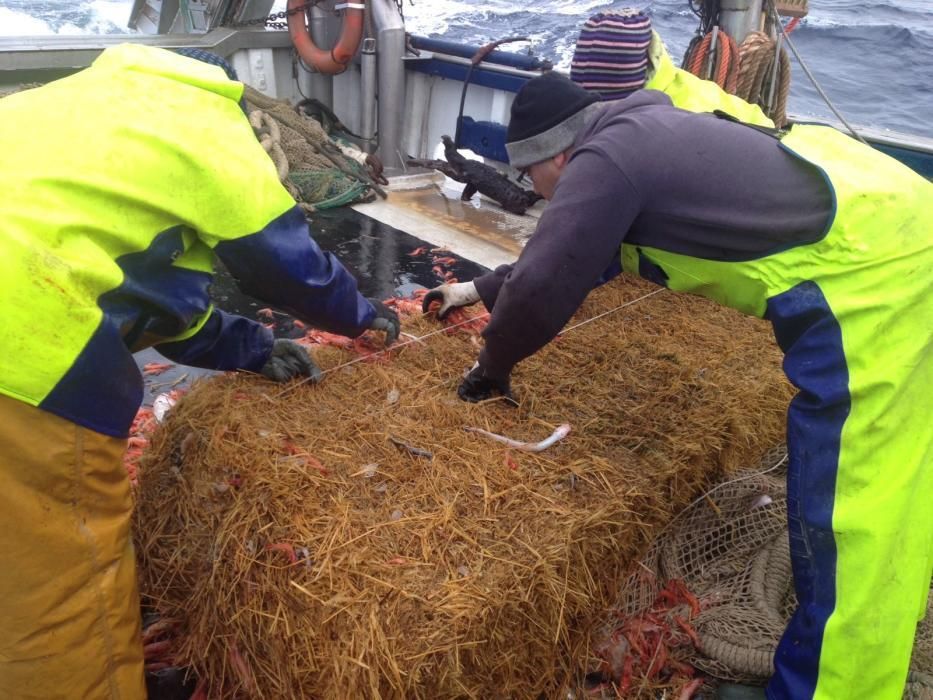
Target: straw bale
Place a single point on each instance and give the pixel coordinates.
(312, 556)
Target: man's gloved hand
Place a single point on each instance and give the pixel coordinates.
(288, 360)
(451, 296)
(476, 386)
(385, 320)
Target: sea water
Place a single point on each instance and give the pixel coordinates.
(874, 59)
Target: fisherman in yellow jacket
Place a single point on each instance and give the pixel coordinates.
(826, 238)
(618, 53)
(119, 185)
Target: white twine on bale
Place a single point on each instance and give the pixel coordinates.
(446, 329)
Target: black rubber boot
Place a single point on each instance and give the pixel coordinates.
(736, 691)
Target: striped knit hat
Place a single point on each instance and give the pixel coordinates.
(611, 56)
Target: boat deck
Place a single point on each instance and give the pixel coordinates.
(375, 241)
(428, 205)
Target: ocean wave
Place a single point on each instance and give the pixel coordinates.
(576, 8)
(829, 23)
(860, 51)
(22, 18)
(14, 23)
(892, 36)
(903, 12)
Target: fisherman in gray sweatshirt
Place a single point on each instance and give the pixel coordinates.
(640, 171)
(829, 240)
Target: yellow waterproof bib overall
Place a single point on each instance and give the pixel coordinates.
(853, 314)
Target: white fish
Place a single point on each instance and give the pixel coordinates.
(562, 431)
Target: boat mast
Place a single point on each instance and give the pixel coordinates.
(739, 17)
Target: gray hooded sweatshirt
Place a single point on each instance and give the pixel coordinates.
(645, 172)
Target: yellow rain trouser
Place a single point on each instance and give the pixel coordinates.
(69, 606)
(853, 313)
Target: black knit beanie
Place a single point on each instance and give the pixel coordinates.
(547, 114)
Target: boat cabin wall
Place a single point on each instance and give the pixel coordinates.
(432, 104)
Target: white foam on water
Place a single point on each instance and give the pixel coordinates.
(433, 18)
(106, 17)
(576, 8)
(110, 16)
(14, 23)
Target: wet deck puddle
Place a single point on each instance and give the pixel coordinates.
(378, 255)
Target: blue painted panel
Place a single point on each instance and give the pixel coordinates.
(485, 138)
(481, 76)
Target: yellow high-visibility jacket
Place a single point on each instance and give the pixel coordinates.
(119, 185)
(694, 94)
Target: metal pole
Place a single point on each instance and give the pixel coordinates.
(322, 86)
(390, 49)
(368, 92)
(711, 59)
(774, 70)
(739, 17)
(754, 16)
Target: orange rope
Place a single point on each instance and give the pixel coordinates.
(726, 64)
(733, 79)
(700, 53)
(725, 60)
(744, 70)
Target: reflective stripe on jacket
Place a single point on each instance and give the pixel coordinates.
(120, 184)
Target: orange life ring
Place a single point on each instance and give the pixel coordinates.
(336, 60)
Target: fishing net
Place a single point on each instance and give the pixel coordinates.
(350, 539)
(311, 165)
(327, 188)
(730, 550)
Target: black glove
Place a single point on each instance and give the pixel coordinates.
(451, 296)
(385, 320)
(288, 360)
(476, 386)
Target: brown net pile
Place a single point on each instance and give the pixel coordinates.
(730, 550)
(352, 540)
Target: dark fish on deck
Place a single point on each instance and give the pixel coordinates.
(479, 177)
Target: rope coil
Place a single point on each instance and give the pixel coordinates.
(745, 70)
